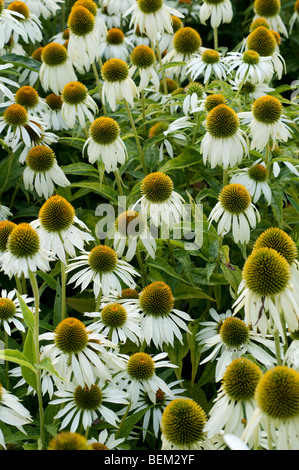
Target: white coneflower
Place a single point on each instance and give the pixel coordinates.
(56, 69)
(218, 11)
(102, 267)
(279, 240)
(263, 41)
(130, 228)
(276, 411)
(3, 80)
(5, 212)
(117, 7)
(167, 98)
(115, 45)
(151, 420)
(153, 17)
(270, 9)
(42, 171)
(105, 144)
(142, 58)
(43, 137)
(161, 322)
(118, 321)
(235, 211)
(251, 90)
(208, 102)
(85, 33)
(169, 134)
(111, 20)
(277, 155)
(84, 404)
(12, 412)
(182, 425)
(295, 16)
(160, 202)
(77, 105)
(224, 143)
(44, 8)
(24, 252)
(118, 85)
(10, 310)
(9, 21)
(28, 97)
(105, 441)
(54, 118)
(266, 121)
(166, 39)
(254, 179)
(291, 356)
(137, 38)
(186, 43)
(266, 292)
(93, 8)
(59, 230)
(194, 93)
(61, 37)
(249, 65)
(6, 227)
(31, 75)
(30, 23)
(231, 338)
(235, 399)
(20, 125)
(207, 64)
(79, 354)
(140, 376)
(66, 440)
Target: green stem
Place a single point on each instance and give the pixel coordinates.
(122, 421)
(94, 68)
(161, 68)
(35, 291)
(10, 162)
(143, 113)
(119, 182)
(136, 137)
(267, 154)
(241, 84)
(215, 32)
(142, 267)
(63, 290)
(172, 259)
(98, 302)
(277, 346)
(6, 362)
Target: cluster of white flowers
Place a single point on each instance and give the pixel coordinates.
(104, 100)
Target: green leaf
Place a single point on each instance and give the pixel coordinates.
(187, 158)
(185, 292)
(27, 313)
(50, 280)
(21, 61)
(176, 354)
(233, 275)
(46, 364)
(29, 350)
(129, 423)
(99, 188)
(14, 355)
(294, 203)
(57, 304)
(162, 265)
(81, 305)
(81, 168)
